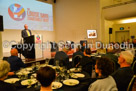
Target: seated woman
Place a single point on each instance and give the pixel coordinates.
(46, 75)
(110, 47)
(100, 48)
(4, 70)
(116, 48)
(87, 52)
(104, 68)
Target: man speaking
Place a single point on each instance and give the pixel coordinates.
(26, 32)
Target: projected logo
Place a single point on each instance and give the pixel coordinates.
(16, 12)
(38, 37)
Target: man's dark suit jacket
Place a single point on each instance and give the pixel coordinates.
(15, 63)
(63, 58)
(24, 33)
(6, 86)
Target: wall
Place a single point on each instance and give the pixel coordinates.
(106, 24)
(15, 35)
(1, 49)
(74, 17)
(128, 26)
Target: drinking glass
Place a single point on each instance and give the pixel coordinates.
(37, 64)
(57, 62)
(46, 61)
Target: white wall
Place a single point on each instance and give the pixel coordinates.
(15, 35)
(74, 17)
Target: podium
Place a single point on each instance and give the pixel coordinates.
(28, 50)
(31, 47)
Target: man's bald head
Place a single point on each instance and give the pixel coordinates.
(14, 52)
(26, 26)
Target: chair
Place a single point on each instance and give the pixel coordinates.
(5, 58)
(114, 60)
(131, 83)
(134, 67)
(76, 60)
(51, 62)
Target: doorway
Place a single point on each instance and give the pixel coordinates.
(121, 36)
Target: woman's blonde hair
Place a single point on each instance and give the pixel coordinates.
(4, 68)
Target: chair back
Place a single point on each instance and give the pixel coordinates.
(131, 83)
(134, 67)
(76, 60)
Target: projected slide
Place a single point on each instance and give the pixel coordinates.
(91, 34)
(37, 15)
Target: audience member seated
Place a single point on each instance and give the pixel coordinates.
(100, 49)
(114, 59)
(124, 74)
(131, 48)
(83, 47)
(104, 69)
(75, 57)
(46, 75)
(134, 43)
(54, 48)
(62, 57)
(116, 48)
(4, 69)
(14, 61)
(87, 62)
(110, 47)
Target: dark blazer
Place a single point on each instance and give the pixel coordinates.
(122, 77)
(6, 86)
(63, 59)
(24, 33)
(15, 63)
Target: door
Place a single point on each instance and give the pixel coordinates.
(121, 36)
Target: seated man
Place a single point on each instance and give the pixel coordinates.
(62, 57)
(86, 62)
(4, 69)
(78, 52)
(124, 74)
(14, 61)
(46, 75)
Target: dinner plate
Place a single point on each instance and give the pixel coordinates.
(34, 74)
(75, 69)
(77, 75)
(11, 80)
(28, 69)
(22, 73)
(56, 85)
(28, 82)
(98, 56)
(71, 82)
(94, 53)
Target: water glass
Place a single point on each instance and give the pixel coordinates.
(80, 68)
(46, 62)
(57, 62)
(37, 64)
